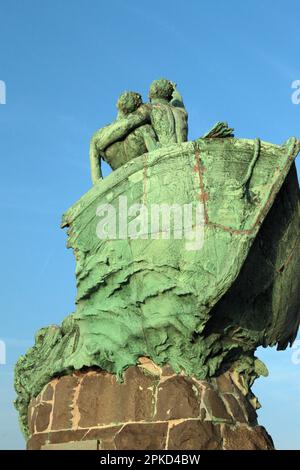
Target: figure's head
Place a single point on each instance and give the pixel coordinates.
(129, 102)
(161, 89)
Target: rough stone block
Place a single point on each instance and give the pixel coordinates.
(43, 417)
(103, 401)
(194, 435)
(32, 411)
(251, 415)
(105, 436)
(235, 408)
(215, 406)
(177, 398)
(64, 394)
(36, 441)
(246, 438)
(48, 393)
(224, 384)
(148, 436)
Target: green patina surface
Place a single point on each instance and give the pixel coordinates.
(140, 127)
(199, 310)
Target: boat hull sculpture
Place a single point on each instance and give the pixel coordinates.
(201, 303)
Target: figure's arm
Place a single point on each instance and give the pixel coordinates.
(119, 129)
(150, 138)
(150, 143)
(112, 133)
(95, 162)
(177, 100)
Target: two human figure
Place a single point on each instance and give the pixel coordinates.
(140, 127)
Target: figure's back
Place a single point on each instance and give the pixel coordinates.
(169, 123)
(181, 124)
(131, 147)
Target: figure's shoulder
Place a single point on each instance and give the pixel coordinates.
(145, 108)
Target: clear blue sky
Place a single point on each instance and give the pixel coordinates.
(64, 63)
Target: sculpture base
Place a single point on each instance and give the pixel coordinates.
(152, 409)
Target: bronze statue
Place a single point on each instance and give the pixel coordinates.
(140, 127)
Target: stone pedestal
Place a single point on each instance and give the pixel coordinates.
(152, 409)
